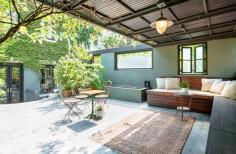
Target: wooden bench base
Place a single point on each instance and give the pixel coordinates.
(200, 103)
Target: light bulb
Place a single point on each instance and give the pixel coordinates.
(161, 26)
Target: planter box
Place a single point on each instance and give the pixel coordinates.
(128, 93)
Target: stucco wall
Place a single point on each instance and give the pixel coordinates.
(221, 63)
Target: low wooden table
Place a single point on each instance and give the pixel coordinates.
(181, 106)
(92, 94)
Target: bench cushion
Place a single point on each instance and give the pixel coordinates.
(172, 92)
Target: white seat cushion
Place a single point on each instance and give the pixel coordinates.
(229, 90)
(160, 83)
(184, 108)
(191, 91)
(101, 96)
(217, 86)
(81, 96)
(207, 83)
(172, 83)
(203, 93)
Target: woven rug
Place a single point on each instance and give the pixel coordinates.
(147, 132)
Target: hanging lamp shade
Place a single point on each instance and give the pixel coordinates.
(161, 24)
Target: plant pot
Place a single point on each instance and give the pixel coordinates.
(99, 114)
(184, 90)
(67, 93)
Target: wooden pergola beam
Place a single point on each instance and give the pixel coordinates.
(231, 23)
(206, 11)
(132, 10)
(176, 18)
(200, 39)
(144, 12)
(196, 17)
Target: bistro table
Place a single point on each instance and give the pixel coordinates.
(92, 94)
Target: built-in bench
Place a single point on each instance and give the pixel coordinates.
(222, 131)
(201, 101)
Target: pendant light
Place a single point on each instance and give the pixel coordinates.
(161, 24)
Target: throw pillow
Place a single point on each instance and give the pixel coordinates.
(229, 90)
(172, 83)
(207, 83)
(217, 86)
(160, 83)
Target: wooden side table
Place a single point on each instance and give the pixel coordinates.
(180, 105)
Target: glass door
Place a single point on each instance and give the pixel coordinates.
(3, 84)
(15, 84)
(11, 83)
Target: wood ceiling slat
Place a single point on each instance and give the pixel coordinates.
(198, 34)
(189, 14)
(187, 9)
(140, 4)
(223, 18)
(105, 7)
(223, 29)
(216, 4)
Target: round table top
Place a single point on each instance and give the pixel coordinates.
(81, 96)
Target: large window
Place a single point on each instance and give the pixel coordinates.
(134, 60)
(192, 59)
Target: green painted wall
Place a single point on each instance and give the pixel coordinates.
(221, 63)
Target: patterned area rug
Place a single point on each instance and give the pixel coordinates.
(147, 132)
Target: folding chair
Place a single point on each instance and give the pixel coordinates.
(71, 103)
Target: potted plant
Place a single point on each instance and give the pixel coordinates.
(67, 90)
(108, 83)
(99, 111)
(184, 85)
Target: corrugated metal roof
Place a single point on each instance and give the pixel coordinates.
(188, 14)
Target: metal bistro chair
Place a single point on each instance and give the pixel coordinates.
(102, 98)
(83, 101)
(183, 105)
(71, 103)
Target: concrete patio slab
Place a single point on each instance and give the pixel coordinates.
(32, 127)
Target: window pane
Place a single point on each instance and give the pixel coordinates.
(186, 66)
(199, 66)
(97, 59)
(186, 53)
(135, 60)
(199, 52)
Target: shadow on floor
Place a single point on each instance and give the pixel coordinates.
(82, 125)
(52, 107)
(50, 147)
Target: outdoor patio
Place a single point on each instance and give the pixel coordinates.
(33, 127)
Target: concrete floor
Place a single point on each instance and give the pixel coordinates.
(35, 127)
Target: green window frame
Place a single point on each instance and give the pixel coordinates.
(192, 59)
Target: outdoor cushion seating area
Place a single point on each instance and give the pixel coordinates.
(201, 100)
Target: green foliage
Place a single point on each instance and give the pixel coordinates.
(96, 76)
(184, 84)
(2, 82)
(99, 108)
(32, 54)
(73, 71)
(107, 82)
(112, 40)
(64, 27)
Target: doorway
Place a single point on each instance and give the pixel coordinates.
(11, 83)
(47, 82)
